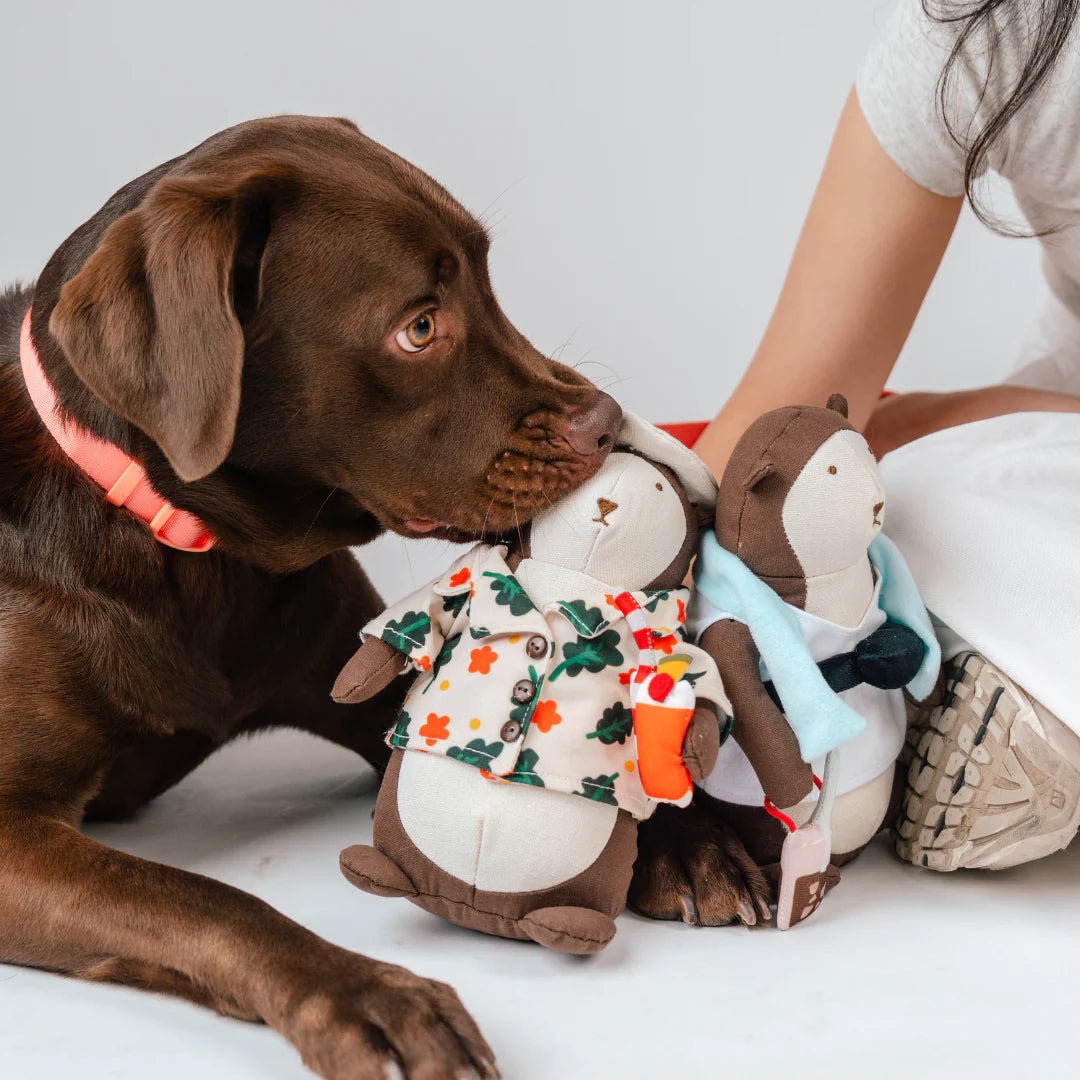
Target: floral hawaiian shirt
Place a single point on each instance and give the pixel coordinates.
(532, 695)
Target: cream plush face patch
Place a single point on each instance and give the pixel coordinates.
(595, 530)
(835, 506)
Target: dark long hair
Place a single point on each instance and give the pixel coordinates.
(1051, 26)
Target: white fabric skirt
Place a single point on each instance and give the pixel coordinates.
(988, 517)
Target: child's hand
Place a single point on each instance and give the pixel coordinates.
(903, 418)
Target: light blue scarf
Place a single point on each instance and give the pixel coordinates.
(820, 719)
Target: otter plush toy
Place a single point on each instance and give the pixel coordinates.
(815, 625)
(554, 706)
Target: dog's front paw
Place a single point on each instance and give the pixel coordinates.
(370, 1021)
(692, 866)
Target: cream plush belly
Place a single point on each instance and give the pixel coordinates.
(498, 837)
(856, 817)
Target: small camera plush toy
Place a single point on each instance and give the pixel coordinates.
(555, 704)
(816, 626)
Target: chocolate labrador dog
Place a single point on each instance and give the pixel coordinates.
(293, 332)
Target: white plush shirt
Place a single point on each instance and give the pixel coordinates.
(863, 759)
(1039, 151)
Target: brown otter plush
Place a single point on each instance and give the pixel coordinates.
(815, 626)
(521, 762)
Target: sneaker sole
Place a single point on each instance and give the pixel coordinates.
(985, 790)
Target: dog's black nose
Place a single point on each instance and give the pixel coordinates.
(593, 429)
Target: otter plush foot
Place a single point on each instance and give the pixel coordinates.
(373, 872)
(569, 929)
(691, 866)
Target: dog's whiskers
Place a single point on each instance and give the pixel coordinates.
(614, 382)
(487, 512)
(599, 363)
(513, 183)
(585, 360)
(517, 522)
(558, 350)
(322, 507)
(554, 507)
(408, 560)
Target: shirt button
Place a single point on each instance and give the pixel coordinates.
(511, 731)
(536, 647)
(523, 691)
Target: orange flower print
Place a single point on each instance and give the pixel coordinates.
(609, 599)
(545, 716)
(480, 660)
(666, 644)
(437, 727)
(425, 663)
(626, 676)
(459, 578)
(682, 610)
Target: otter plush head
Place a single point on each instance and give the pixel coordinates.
(801, 497)
(635, 523)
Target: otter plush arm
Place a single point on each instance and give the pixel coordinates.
(373, 667)
(760, 729)
(701, 747)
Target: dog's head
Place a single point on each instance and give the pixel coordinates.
(297, 333)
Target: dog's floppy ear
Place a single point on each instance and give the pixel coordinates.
(152, 322)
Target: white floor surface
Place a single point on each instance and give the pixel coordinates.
(903, 973)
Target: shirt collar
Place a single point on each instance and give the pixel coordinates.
(499, 597)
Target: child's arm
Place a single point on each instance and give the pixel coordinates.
(870, 246)
(904, 417)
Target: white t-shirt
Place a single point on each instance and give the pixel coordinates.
(863, 759)
(1039, 150)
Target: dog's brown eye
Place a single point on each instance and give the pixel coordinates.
(419, 334)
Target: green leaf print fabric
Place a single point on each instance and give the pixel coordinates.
(509, 592)
(445, 653)
(615, 726)
(399, 737)
(599, 789)
(409, 632)
(477, 752)
(584, 619)
(525, 769)
(589, 654)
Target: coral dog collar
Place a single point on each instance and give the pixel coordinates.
(123, 478)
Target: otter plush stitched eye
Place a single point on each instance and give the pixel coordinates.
(419, 334)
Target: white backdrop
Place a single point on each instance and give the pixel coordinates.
(645, 166)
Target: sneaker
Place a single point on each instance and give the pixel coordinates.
(994, 778)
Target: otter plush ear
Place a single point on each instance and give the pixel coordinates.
(838, 403)
(152, 322)
(759, 475)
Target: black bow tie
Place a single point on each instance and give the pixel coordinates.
(889, 659)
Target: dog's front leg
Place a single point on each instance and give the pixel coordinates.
(71, 905)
